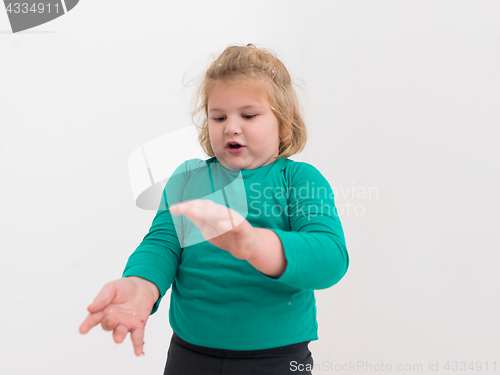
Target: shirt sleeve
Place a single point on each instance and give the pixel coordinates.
(157, 257)
(315, 247)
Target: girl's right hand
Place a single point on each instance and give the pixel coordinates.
(123, 306)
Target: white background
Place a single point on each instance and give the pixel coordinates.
(400, 96)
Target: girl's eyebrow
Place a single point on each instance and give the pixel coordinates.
(245, 107)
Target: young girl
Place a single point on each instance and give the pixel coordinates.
(243, 238)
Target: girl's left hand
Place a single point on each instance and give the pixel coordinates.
(221, 226)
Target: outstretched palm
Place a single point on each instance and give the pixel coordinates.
(122, 306)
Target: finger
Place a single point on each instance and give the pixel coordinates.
(175, 210)
(180, 207)
(137, 336)
(197, 215)
(193, 212)
(236, 218)
(91, 321)
(109, 323)
(103, 299)
(229, 213)
(231, 220)
(120, 333)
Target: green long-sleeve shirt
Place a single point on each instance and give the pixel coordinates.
(220, 301)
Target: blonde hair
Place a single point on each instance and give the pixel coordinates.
(257, 69)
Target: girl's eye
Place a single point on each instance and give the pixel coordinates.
(248, 117)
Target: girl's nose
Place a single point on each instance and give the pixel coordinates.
(232, 126)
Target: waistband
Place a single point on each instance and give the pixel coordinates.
(280, 351)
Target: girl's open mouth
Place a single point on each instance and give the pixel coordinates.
(235, 149)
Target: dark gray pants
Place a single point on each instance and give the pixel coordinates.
(187, 359)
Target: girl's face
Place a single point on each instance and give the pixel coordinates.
(237, 114)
